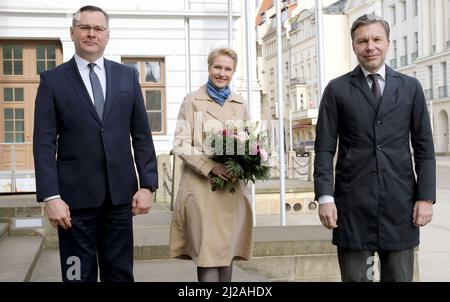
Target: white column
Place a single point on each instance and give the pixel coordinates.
(439, 25)
(424, 29)
(446, 23)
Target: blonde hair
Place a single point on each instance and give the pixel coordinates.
(222, 51)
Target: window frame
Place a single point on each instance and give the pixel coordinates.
(150, 86)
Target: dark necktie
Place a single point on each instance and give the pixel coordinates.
(97, 91)
(376, 90)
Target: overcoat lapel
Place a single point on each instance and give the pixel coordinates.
(357, 79)
(388, 101)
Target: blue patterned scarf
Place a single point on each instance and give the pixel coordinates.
(219, 95)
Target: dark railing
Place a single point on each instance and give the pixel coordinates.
(403, 60)
(428, 94)
(414, 56)
(442, 90)
(393, 63)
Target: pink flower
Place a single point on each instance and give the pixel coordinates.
(263, 154)
(254, 149)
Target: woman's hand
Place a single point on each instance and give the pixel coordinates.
(221, 171)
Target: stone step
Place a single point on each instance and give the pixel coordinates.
(153, 242)
(313, 268)
(175, 270)
(18, 256)
(19, 206)
(26, 226)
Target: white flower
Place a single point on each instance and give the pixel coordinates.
(242, 136)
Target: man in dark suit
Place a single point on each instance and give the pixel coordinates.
(89, 114)
(377, 204)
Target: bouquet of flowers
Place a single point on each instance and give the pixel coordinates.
(243, 150)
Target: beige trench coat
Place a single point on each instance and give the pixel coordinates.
(211, 227)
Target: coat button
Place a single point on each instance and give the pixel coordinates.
(378, 123)
(232, 190)
(373, 173)
(213, 189)
(379, 148)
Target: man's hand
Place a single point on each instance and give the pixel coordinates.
(422, 212)
(142, 202)
(328, 215)
(58, 213)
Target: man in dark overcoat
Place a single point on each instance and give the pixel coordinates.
(378, 119)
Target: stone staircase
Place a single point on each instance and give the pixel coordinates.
(301, 251)
(21, 242)
(27, 255)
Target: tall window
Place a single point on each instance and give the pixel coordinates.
(152, 81)
(444, 73)
(395, 49)
(45, 57)
(12, 59)
(403, 9)
(404, 58)
(21, 62)
(393, 16)
(415, 7)
(443, 89)
(14, 125)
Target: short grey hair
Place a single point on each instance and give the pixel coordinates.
(89, 8)
(369, 19)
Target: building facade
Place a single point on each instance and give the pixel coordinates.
(419, 47)
(166, 41)
(299, 57)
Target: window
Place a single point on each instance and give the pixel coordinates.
(12, 59)
(45, 57)
(444, 73)
(286, 69)
(403, 9)
(271, 75)
(152, 81)
(14, 130)
(20, 64)
(415, 7)
(393, 17)
(12, 94)
(284, 15)
(416, 41)
(404, 58)
(395, 49)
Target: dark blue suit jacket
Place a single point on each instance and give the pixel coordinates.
(374, 184)
(81, 157)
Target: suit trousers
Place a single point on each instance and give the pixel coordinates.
(100, 238)
(358, 265)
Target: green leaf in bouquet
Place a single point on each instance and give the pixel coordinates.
(219, 183)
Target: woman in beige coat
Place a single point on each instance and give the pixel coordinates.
(210, 226)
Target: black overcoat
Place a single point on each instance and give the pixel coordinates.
(375, 186)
